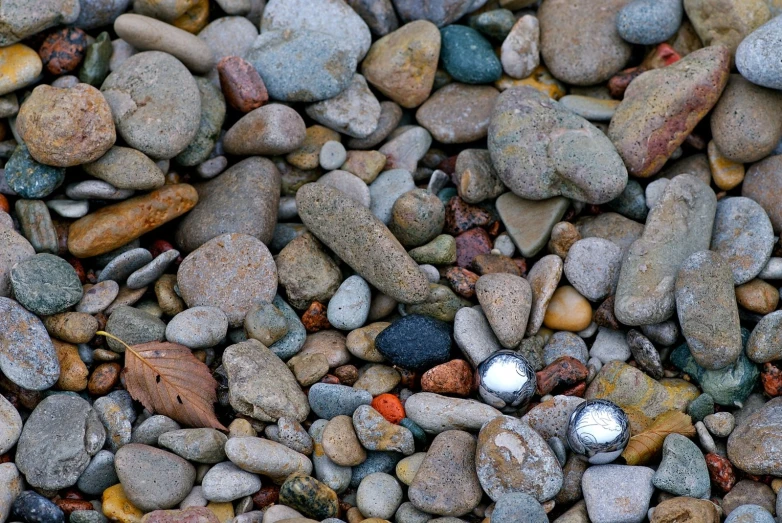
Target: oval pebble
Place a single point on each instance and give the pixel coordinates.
(150, 272)
(349, 307)
(125, 264)
(198, 327)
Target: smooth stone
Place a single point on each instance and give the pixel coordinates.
(518, 506)
(476, 181)
(230, 272)
(226, 482)
(115, 420)
(415, 342)
(265, 457)
(565, 344)
(594, 50)
(326, 471)
(124, 265)
(753, 445)
(57, 441)
(550, 418)
(265, 323)
(744, 236)
(307, 272)
(198, 327)
(45, 284)
(435, 413)
(136, 464)
(403, 63)
(349, 307)
(764, 343)
(577, 160)
(653, 107)
(376, 433)
(593, 109)
(724, 23)
(520, 51)
(469, 123)
(289, 344)
(761, 184)
(31, 507)
(362, 241)
(10, 425)
(750, 514)
(474, 336)
(272, 129)
(261, 385)
(439, 13)
(378, 496)
(387, 188)
(30, 179)
(152, 428)
(349, 184)
(11, 486)
(405, 148)
(611, 226)
(694, 510)
(19, 66)
(228, 36)
(707, 310)
(69, 208)
(617, 493)
(754, 56)
(720, 424)
(99, 474)
(632, 202)
(14, 248)
(506, 300)
(340, 442)
(153, 270)
(592, 266)
(333, 154)
(511, 457)
(209, 129)
(325, 64)
(543, 278)
(678, 226)
(96, 190)
(467, 56)
(98, 297)
(331, 400)
(354, 112)
(682, 471)
(199, 445)
(133, 326)
(376, 462)
(646, 22)
(529, 222)
(568, 310)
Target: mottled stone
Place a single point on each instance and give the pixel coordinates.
(136, 466)
(725, 23)
(743, 236)
(19, 22)
(376, 433)
(27, 356)
(269, 130)
(439, 13)
(467, 124)
(354, 112)
(126, 168)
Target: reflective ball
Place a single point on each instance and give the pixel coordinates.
(599, 431)
(506, 380)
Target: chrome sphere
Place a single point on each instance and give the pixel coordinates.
(506, 380)
(599, 431)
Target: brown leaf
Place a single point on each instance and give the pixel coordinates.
(167, 379)
(644, 446)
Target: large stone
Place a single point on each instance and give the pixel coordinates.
(152, 478)
(261, 385)
(755, 56)
(506, 300)
(724, 22)
(469, 123)
(27, 356)
(435, 413)
(263, 456)
(679, 225)
(18, 21)
(439, 12)
(662, 106)
(126, 168)
(541, 150)
(307, 272)
(683, 469)
(617, 493)
(755, 445)
(362, 241)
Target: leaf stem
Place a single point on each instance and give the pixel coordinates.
(104, 333)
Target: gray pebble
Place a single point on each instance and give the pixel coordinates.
(294, 340)
(349, 307)
(682, 471)
(332, 155)
(705, 439)
(262, 456)
(518, 506)
(226, 482)
(379, 496)
(756, 58)
(377, 461)
(354, 112)
(435, 413)
(99, 474)
(198, 327)
(153, 479)
(610, 345)
(665, 333)
(96, 190)
(743, 235)
(98, 297)
(349, 184)
(200, 445)
(152, 428)
(334, 476)
(386, 189)
(212, 167)
(407, 513)
(565, 344)
(133, 326)
(473, 335)
(195, 498)
(649, 22)
(124, 265)
(654, 191)
(331, 400)
(645, 354)
(116, 422)
(46, 284)
(617, 493)
(153, 270)
(750, 514)
(721, 424)
(69, 208)
(10, 425)
(592, 267)
(406, 149)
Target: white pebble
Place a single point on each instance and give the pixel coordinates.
(332, 155)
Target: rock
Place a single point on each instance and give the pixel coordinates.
(376, 433)
(543, 278)
(306, 272)
(453, 377)
(550, 418)
(611, 226)
(30, 179)
(446, 483)
(750, 513)
(11, 486)
(354, 112)
(593, 53)
(148, 34)
(349, 184)
(529, 222)
(579, 162)
(328, 400)
(126, 168)
(349, 307)
(25, 64)
(363, 242)
(506, 300)
(417, 217)
(436, 414)
(57, 441)
(723, 23)
(518, 506)
(753, 444)
(761, 184)
(378, 496)
(467, 56)
(470, 123)
(707, 310)
(748, 492)
(99, 474)
(645, 22)
(592, 267)
(199, 445)
(31, 507)
(387, 189)
(226, 482)
(477, 181)
(231, 272)
(45, 284)
(269, 130)
(415, 342)
(679, 225)
(694, 510)
(511, 457)
(402, 64)
(439, 13)
(309, 496)
(652, 108)
(174, 476)
(19, 23)
(171, 108)
(520, 52)
(209, 128)
(241, 84)
(743, 235)
(743, 104)
(326, 64)
(10, 429)
(763, 345)
(617, 493)
(133, 326)
(341, 444)
(753, 58)
(567, 310)
(228, 36)
(682, 471)
(14, 248)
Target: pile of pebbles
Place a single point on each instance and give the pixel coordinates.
(413, 241)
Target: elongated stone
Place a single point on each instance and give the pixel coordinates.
(362, 241)
(679, 225)
(118, 224)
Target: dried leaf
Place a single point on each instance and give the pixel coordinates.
(644, 446)
(167, 379)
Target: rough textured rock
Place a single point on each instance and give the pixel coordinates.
(722, 22)
(754, 445)
(763, 184)
(27, 356)
(506, 300)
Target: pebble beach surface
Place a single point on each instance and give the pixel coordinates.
(390, 261)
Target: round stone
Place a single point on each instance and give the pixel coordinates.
(755, 55)
(592, 267)
(174, 477)
(568, 310)
(133, 326)
(226, 482)
(198, 327)
(46, 284)
(126, 168)
(415, 342)
(649, 22)
(19, 66)
(349, 307)
(417, 217)
(467, 56)
(458, 113)
(332, 155)
(378, 496)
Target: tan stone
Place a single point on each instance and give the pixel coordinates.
(73, 371)
(757, 296)
(725, 173)
(568, 311)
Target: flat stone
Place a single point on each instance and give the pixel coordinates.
(153, 479)
(469, 123)
(349, 307)
(435, 413)
(529, 222)
(743, 235)
(262, 456)
(27, 356)
(133, 326)
(153, 270)
(682, 471)
(617, 493)
(226, 482)
(45, 284)
(354, 112)
(98, 297)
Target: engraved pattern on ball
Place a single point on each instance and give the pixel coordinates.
(506, 380)
(598, 430)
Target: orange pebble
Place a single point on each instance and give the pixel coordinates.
(4, 204)
(390, 407)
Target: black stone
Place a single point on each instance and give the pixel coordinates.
(30, 507)
(415, 342)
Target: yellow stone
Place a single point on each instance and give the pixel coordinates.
(19, 65)
(223, 511)
(407, 468)
(241, 428)
(73, 371)
(194, 18)
(540, 79)
(307, 156)
(758, 296)
(568, 311)
(354, 515)
(117, 507)
(776, 485)
(365, 164)
(725, 173)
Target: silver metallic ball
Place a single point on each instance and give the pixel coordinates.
(506, 380)
(599, 431)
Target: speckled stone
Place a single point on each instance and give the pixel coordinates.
(307, 272)
(210, 127)
(764, 343)
(725, 23)
(467, 56)
(31, 507)
(354, 112)
(46, 284)
(682, 471)
(30, 179)
(99, 474)
(153, 479)
(415, 342)
(592, 267)
(469, 123)
(617, 493)
(647, 22)
(226, 482)
(754, 444)
(743, 236)
(309, 496)
(754, 55)
(506, 300)
(435, 413)
(126, 168)
(376, 433)
(269, 130)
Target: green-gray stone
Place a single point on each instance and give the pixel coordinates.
(418, 433)
(446, 194)
(440, 251)
(701, 407)
(133, 326)
(95, 67)
(730, 386)
(29, 178)
(212, 118)
(37, 226)
(632, 202)
(46, 284)
(496, 23)
(309, 496)
(87, 516)
(442, 304)
(529, 222)
(682, 471)
(468, 56)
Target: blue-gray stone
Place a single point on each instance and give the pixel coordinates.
(377, 461)
(124, 265)
(682, 471)
(329, 400)
(418, 433)
(46, 284)
(649, 22)
(750, 514)
(631, 203)
(87, 516)
(31, 507)
(757, 57)
(518, 506)
(98, 13)
(701, 407)
(324, 64)
(415, 342)
(212, 118)
(30, 179)
(468, 56)
(496, 23)
(99, 474)
(290, 344)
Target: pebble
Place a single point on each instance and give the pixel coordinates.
(199, 445)
(592, 266)
(477, 181)
(435, 413)
(153, 270)
(720, 424)
(348, 184)
(125, 264)
(269, 130)
(654, 107)
(99, 474)
(226, 482)
(518, 506)
(218, 274)
(697, 510)
(349, 229)
(31, 507)
(682, 471)
(354, 112)
(646, 22)
(241, 84)
(152, 428)
(96, 190)
(133, 326)
(198, 327)
(387, 188)
(617, 493)
(98, 297)
(402, 64)
(520, 51)
(117, 506)
(645, 293)
(567, 310)
(115, 420)
(57, 441)
(749, 492)
(467, 56)
(467, 125)
(11, 486)
(415, 342)
(743, 235)
(506, 300)
(11, 426)
(332, 155)
(69, 208)
(19, 65)
(752, 444)
(750, 514)
(762, 345)
(727, 24)
(309, 496)
(757, 296)
(331, 400)
(174, 477)
(326, 64)
(307, 272)
(349, 307)
(378, 496)
(30, 179)
(45, 284)
(332, 475)
(761, 184)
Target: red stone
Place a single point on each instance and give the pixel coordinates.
(721, 472)
(604, 315)
(448, 166)
(346, 374)
(578, 390)
(462, 281)
(78, 267)
(63, 50)
(330, 379)
(453, 377)
(470, 244)
(771, 378)
(563, 372)
(71, 505)
(266, 496)
(494, 263)
(4, 204)
(461, 216)
(242, 86)
(314, 318)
